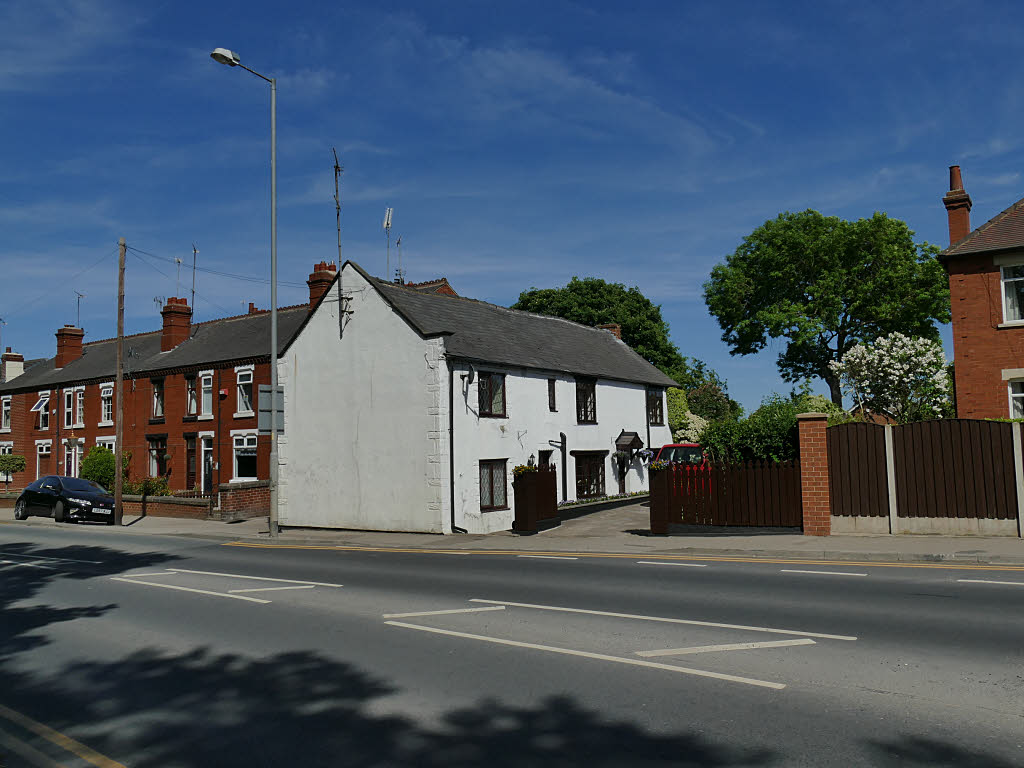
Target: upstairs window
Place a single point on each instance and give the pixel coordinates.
(655, 409)
(80, 407)
(491, 390)
(42, 407)
(1013, 293)
(158, 399)
(190, 396)
(107, 405)
(69, 409)
(5, 413)
(586, 401)
(243, 378)
(206, 395)
(552, 406)
(492, 485)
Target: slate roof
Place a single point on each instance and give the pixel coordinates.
(441, 286)
(216, 341)
(487, 333)
(1002, 232)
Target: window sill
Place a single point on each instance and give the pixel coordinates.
(192, 417)
(105, 424)
(157, 420)
(493, 415)
(586, 423)
(1012, 324)
(243, 480)
(4, 430)
(78, 426)
(494, 509)
(204, 417)
(244, 414)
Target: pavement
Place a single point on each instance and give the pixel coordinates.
(620, 530)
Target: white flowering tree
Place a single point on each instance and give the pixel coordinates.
(904, 377)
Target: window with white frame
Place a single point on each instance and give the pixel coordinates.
(80, 407)
(106, 442)
(243, 377)
(42, 407)
(245, 457)
(191, 406)
(5, 414)
(157, 456)
(1013, 293)
(106, 405)
(69, 408)
(206, 395)
(1017, 399)
(6, 448)
(158, 399)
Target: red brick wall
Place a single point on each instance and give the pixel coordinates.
(817, 511)
(138, 395)
(245, 499)
(981, 348)
(166, 506)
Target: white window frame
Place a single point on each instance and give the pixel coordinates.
(241, 371)
(204, 384)
(76, 457)
(106, 401)
(1019, 397)
(162, 400)
(1003, 280)
(43, 448)
(80, 407)
(151, 455)
(107, 441)
(244, 435)
(202, 437)
(5, 448)
(42, 407)
(69, 409)
(5, 413)
(191, 394)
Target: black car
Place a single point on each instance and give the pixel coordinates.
(65, 499)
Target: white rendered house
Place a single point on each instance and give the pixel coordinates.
(411, 414)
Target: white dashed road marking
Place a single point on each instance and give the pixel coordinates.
(985, 581)
(271, 589)
(666, 562)
(548, 557)
(726, 647)
(441, 613)
(822, 573)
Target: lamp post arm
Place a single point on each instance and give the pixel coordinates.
(264, 77)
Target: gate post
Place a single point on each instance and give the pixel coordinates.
(817, 507)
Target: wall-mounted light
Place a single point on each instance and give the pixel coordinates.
(532, 461)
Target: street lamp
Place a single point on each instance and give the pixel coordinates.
(224, 56)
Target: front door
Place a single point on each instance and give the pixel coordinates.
(190, 463)
(207, 460)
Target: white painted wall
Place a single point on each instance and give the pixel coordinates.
(365, 442)
(529, 426)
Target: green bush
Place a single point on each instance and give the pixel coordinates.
(678, 408)
(149, 486)
(98, 466)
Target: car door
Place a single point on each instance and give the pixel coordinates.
(49, 493)
(31, 495)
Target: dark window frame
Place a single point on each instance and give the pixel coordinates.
(552, 402)
(655, 407)
(494, 467)
(586, 401)
(485, 395)
(589, 464)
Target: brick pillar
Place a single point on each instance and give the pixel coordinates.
(817, 507)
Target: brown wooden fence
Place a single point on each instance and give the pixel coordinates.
(757, 494)
(955, 468)
(857, 481)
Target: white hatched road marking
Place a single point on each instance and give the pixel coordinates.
(726, 647)
(549, 557)
(43, 557)
(664, 619)
(255, 578)
(441, 613)
(666, 562)
(822, 573)
(985, 581)
(27, 565)
(189, 589)
(597, 656)
(271, 589)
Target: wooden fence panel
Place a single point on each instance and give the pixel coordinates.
(856, 470)
(955, 468)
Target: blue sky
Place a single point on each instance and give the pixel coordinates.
(518, 143)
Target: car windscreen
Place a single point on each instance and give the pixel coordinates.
(684, 454)
(77, 484)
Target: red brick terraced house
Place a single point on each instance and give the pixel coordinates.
(986, 285)
(190, 396)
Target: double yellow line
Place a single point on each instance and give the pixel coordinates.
(631, 555)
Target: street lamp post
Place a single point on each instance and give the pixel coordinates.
(224, 56)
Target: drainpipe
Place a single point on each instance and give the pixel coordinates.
(565, 467)
(451, 443)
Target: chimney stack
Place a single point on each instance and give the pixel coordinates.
(320, 280)
(69, 345)
(613, 328)
(177, 316)
(12, 365)
(958, 207)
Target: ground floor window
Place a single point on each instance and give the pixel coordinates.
(6, 448)
(590, 475)
(245, 457)
(492, 485)
(158, 457)
(1017, 399)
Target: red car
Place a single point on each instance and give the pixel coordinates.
(682, 453)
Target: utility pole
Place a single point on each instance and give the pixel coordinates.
(337, 210)
(119, 390)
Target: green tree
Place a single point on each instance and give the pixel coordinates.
(592, 301)
(678, 408)
(9, 464)
(825, 284)
(98, 466)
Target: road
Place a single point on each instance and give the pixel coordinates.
(169, 651)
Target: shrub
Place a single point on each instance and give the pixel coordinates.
(98, 466)
(9, 464)
(149, 486)
(678, 408)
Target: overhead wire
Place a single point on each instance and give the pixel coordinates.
(156, 269)
(220, 273)
(30, 302)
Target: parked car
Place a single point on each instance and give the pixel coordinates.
(65, 499)
(682, 453)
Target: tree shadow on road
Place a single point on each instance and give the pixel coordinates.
(935, 753)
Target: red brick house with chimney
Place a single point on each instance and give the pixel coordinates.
(986, 286)
(190, 396)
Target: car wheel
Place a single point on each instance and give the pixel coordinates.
(58, 512)
(20, 510)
